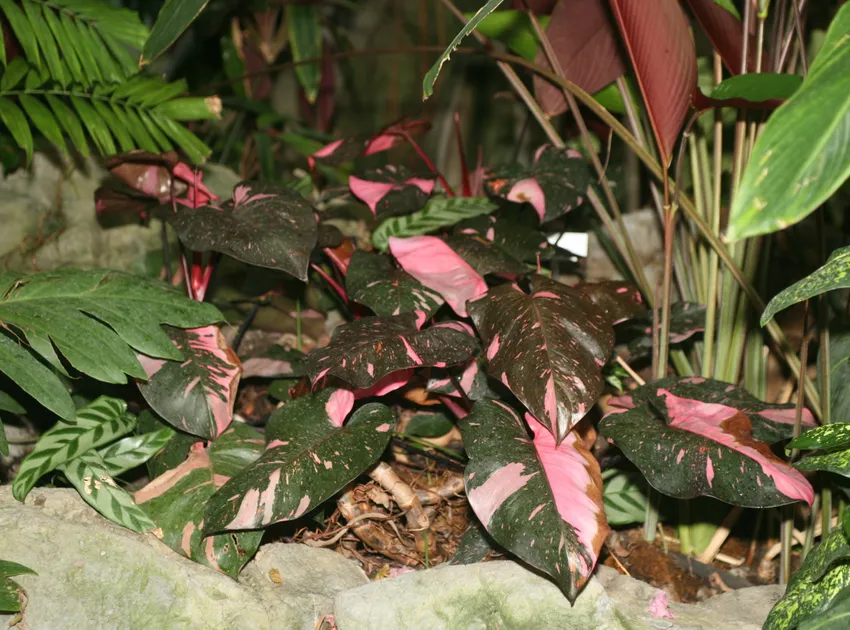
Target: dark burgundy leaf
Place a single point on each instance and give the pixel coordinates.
(514, 230)
(658, 38)
(547, 347)
(553, 185)
(618, 300)
(365, 351)
(686, 320)
(484, 256)
(375, 282)
(472, 380)
(726, 35)
(584, 39)
(392, 190)
(263, 225)
(115, 208)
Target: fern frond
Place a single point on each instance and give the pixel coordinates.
(140, 113)
(76, 41)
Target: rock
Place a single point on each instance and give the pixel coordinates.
(90, 569)
(507, 596)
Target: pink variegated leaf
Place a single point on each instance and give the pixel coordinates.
(619, 300)
(539, 500)
(176, 500)
(471, 377)
(485, 256)
(548, 347)
(195, 395)
(438, 267)
(686, 320)
(390, 383)
(346, 150)
(308, 458)
(365, 351)
(687, 447)
(392, 190)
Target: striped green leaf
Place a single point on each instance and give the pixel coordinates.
(624, 497)
(134, 450)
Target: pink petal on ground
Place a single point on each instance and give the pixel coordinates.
(658, 606)
(528, 190)
(339, 406)
(438, 267)
(369, 192)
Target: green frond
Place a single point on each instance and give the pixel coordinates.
(81, 42)
(139, 113)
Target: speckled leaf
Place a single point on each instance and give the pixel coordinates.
(236, 449)
(771, 422)
(514, 230)
(624, 497)
(484, 256)
(806, 595)
(472, 380)
(686, 320)
(474, 546)
(98, 423)
(687, 448)
(135, 450)
(839, 369)
(368, 349)
(90, 476)
(618, 300)
(392, 190)
(12, 596)
(373, 281)
(176, 501)
(310, 455)
(540, 501)
(838, 463)
(263, 225)
(547, 347)
(836, 616)
(553, 185)
(197, 394)
(835, 274)
(828, 436)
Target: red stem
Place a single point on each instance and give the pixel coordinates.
(336, 286)
(428, 162)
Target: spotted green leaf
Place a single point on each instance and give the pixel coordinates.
(828, 436)
(836, 616)
(838, 462)
(11, 594)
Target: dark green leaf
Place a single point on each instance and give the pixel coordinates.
(758, 86)
(173, 453)
(483, 256)
(838, 463)
(35, 379)
(474, 546)
(173, 18)
(43, 120)
(372, 280)
(429, 425)
(305, 37)
(828, 436)
(17, 124)
(11, 594)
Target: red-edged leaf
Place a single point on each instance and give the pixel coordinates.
(540, 501)
(658, 38)
(363, 352)
(726, 34)
(197, 394)
(438, 267)
(547, 347)
(687, 448)
(308, 458)
(585, 44)
(392, 190)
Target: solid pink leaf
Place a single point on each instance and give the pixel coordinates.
(390, 383)
(369, 192)
(339, 406)
(437, 266)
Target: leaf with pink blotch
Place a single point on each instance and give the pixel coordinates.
(553, 185)
(547, 346)
(471, 377)
(514, 230)
(346, 150)
(310, 455)
(392, 190)
(176, 500)
(540, 501)
(687, 448)
(195, 395)
(619, 300)
(686, 320)
(484, 256)
(366, 350)
(437, 266)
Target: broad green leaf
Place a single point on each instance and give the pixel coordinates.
(429, 424)
(90, 476)
(11, 593)
(11, 569)
(802, 156)
(827, 436)
(305, 36)
(173, 18)
(624, 497)
(834, 274)
(310, 455)
(838, 462)
(836, 616)
(97, 424)
(372, 280)
(236, 449)
(135, 450)
(471, 25)
(514, 28)
(540, 501)
(758, 86)
(36, 380)
(438, 213)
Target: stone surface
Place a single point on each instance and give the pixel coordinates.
(94, 574)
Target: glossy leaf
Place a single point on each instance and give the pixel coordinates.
(618, 300)
(366, 350)
(263, 225)
(392, 190)
(514, 230)
(97, 424)
(92, 479)
(540, 501)
(310, 455)
(836, 615)
(173, 18)
(196, 394)
(834, 274)
(724, 29)
(431, 75)
(827, 436)
(658, 39)
(372, 280)
(135, 450)
(585, 44)
(439, 268)
(438, 213)
(484, 256)
(758, 86)
(624, 497)
(553, 185)
(802, 156)
(688, 448)
(547, 347)
(838, 463)
(472, 380)
(12, 597)
(839, 369)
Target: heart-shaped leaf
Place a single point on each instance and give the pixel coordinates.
(702, 449)
(263, 225)
(658, 39)
(514, 230)
(345, 150)
(368, 349)
(310, 455)
(473, 381)
(484, 256)
(197, 394)
(553, 185)
(438, 267)
(391, 190)
(540, 501)
(547, 347)
(372, 280)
